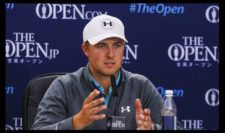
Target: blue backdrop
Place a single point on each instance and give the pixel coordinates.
(175, 45)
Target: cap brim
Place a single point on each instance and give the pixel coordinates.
(99, 38)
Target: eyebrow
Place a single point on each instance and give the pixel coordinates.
(120, 41)
(103, 43)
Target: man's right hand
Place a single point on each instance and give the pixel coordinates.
(88, 113)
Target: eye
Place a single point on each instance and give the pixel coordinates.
(118, 45)
(101, 46)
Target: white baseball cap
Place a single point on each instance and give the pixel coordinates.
(102, 27)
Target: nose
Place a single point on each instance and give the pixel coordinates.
(111, 52)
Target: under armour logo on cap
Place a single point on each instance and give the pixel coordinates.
(107, 24)
(102, 27)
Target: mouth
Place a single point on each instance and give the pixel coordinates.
(109, 64)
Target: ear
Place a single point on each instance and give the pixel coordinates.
(85, 49)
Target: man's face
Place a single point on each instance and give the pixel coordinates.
(105, 58)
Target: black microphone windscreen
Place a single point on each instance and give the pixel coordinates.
(113, 84)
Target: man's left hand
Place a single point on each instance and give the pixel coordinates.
(143, 118)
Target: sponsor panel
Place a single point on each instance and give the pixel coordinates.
(23, 48)
(192, 51)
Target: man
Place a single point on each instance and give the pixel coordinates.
(83, 99)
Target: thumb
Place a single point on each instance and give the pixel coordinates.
(138, 106)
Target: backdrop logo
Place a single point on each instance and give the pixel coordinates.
(65, 11)
(25, 49)
(9, 6)
(212, 97)
(16, 124)
(212, 14)
(192, 124)
(193, 52)
(130, 53)
(177, 92)
(9, 90)
(161, 9)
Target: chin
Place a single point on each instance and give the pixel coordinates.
(109, 73)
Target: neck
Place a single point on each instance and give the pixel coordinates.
(104, 81)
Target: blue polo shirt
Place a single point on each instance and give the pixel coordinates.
(101, 89)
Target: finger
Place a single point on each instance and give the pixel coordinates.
(98, 117)
(139, 114)
(140, 117)
(139, 120)
(147, 111)
(139, 123)
(146, 125)
(140, 128)
(91, 96)
(147, 118)
(96, 102)
(138, 106)
(147, 115)
(98, 109)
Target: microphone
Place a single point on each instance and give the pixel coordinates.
(115, 122)
(115, 93)
(113, 84)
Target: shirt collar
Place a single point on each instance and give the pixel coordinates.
(101, 89)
